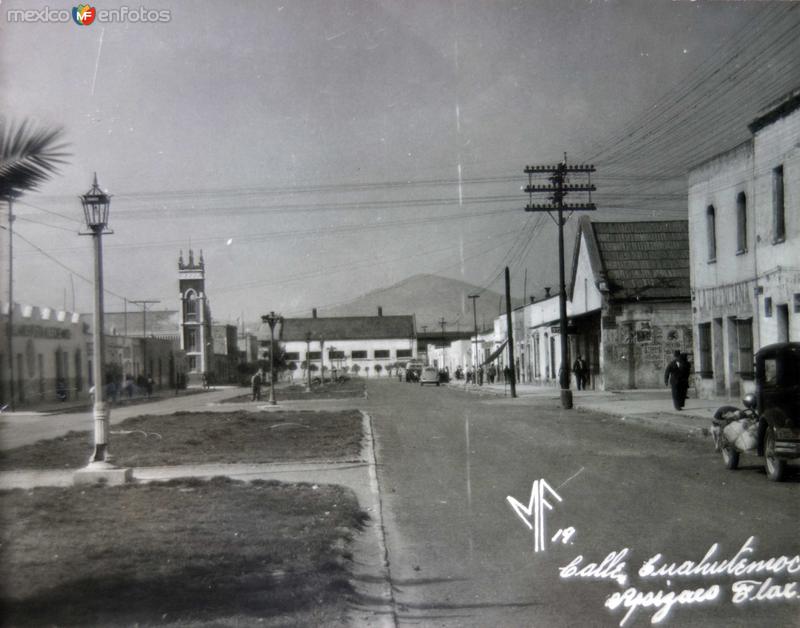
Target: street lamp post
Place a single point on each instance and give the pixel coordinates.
(271, 319)
(95, 210)
(308, 361)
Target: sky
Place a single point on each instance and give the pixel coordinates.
(316, 150)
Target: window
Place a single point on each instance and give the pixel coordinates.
(797, 302)
(293, 356)
(191, 340)
(744, 336)
(191, 305)
(704, 339)
(313, 355)
(336, 355)
(778, 209)
(741, 223)
(381, 353)
(711, 232)
(768, 307)
(406, 353)
(358, 355)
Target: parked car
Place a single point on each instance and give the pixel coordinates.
(769, 424)
(429, 375)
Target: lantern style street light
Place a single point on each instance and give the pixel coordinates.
(96, 204)
(272, 319)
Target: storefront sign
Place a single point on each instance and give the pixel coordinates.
(39, 331)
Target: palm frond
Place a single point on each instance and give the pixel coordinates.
(29, 156)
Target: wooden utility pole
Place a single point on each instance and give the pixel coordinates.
(559, 187)
(475, 346)
(510, 336)
(10, 341)
(443, 324)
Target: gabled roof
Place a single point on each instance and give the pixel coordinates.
(347, 328)
(638, 260)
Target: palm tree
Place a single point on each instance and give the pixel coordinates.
(29, 156)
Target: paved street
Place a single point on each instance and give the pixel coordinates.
(460, 556)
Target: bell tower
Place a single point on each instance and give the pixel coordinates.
(195, 332)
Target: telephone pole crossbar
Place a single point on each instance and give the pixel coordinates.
(559, 188)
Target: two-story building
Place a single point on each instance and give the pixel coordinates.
(363, 342)
(745, 249)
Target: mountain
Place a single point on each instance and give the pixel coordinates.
(429, 298)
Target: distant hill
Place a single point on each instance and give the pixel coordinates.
(429, 298)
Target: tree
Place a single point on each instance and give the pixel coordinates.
(356, 368)
(366, 370)
(28, 157)
(378, 369)
(292, 366)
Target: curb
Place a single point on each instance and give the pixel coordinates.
(372, 582)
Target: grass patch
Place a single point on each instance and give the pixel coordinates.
(351, 389)
(185, 552)
(205, 437)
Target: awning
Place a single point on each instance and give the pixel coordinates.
(495, 353)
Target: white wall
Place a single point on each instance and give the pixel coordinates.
(348, 346)
(586, 297)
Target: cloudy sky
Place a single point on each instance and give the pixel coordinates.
(318, 150)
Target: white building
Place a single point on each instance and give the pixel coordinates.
(363, 342)
(48, 346)
(744, 229)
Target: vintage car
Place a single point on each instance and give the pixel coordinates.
(429, 375)
(769, 424)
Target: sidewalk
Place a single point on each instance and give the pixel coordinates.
(650, 407)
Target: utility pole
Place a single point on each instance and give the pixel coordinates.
(443, 324)
(10, 303)
(475, 347)
(510, 334)
(559, 187)
(144, 303)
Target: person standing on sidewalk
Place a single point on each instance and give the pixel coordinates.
(674, 378)
(579, 368)
(255, 383)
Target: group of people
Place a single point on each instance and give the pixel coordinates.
(676, 376)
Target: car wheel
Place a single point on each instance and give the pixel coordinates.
(776, 467)
(730, 456)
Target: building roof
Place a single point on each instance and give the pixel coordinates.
(347, 328)
(639, 260)
(776, 110)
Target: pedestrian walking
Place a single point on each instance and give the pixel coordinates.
(685, 376)
(674, 377)
(579, 368)
(255, 384)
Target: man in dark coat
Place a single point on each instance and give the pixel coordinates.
(674, 377)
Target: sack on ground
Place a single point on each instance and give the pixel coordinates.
(741, 434)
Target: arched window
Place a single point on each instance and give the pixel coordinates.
(741, 223)
(191, 305)
(711, 230)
